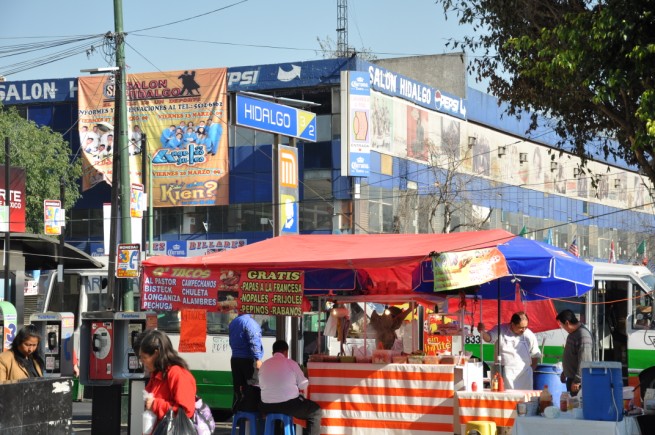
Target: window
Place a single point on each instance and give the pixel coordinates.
(642, 309)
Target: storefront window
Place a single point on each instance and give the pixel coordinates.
(642, 311)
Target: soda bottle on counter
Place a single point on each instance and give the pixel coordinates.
(501, 383)
(495, 383)
(545, 399)
(564, 401)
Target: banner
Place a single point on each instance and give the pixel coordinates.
(453, 270)
(266, 292)
(193, 330)
(13, 215)
(194, 248)
(183, 115)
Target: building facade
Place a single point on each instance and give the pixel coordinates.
(438, 159)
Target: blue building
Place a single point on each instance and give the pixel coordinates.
(437, 157)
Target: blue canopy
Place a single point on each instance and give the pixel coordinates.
(542, 271)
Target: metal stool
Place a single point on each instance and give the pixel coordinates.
(253, 419)
(287, 422)
(480, 428)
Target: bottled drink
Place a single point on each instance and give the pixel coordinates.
(564, 402)
(545, 399)
(501, 383)
(494, 382)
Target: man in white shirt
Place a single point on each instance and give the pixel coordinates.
(281, 380)
(519, 350)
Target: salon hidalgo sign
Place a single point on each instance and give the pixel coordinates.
(263, 292)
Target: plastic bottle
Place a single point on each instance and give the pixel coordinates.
(564, 401)
(545, 399)
(501, 383)
(495, 382)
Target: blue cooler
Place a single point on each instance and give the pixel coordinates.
(548, 374)
(602, 390)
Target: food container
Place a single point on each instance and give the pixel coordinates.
(330, 358)
(430, 359)
(347, 359)
(415, 359)
(446, 359)
(383, 356)
(364, 359)
(399, 359)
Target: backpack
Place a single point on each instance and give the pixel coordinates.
(202, 419)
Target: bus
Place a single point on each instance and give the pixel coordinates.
(619, 313)
(85, 290)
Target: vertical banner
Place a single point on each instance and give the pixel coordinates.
(12, 211)
(136, 201)
(288, 194)
(51, 209)
(356, 137)
(184, 117)
(193, 330)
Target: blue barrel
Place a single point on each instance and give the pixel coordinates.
(549, 374)
(602, 390)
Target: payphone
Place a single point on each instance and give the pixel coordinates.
(127, 327)
(56, 344)
(107, 338)
(7, 324)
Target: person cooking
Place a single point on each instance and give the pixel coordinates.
(519, 350)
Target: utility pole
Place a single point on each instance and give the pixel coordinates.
(62, 241)
(7, 204)
(120, 128)
(106, 409)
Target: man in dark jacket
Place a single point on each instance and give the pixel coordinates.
(578, 348)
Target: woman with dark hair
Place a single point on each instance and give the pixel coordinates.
(171, 384)
(23, 360)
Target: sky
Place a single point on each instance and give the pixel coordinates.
(219, 33)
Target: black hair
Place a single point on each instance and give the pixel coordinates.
(517, 317)
(280, 346)
(567, 316)
(25, 333)
(152, 340)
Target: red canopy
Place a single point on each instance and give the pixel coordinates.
(349, 251)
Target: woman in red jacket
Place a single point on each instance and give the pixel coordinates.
(171, 383)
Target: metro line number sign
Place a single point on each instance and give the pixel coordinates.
(275, 118)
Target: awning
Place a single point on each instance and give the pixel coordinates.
(41, 252)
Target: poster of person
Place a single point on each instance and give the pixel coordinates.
(183, 115)
(417, 147)
(381, 122)
(481, 156)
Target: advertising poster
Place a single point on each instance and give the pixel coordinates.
(265, 292)
(12, 212)
(183, 115)
(193, 330)
(453, 270)
(51, 207)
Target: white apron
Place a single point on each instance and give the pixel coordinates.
(516, 360)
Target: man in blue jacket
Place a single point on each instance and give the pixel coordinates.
(247, 353)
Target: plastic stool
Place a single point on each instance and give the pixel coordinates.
(241, 418)
(287, 421)
(480, 428)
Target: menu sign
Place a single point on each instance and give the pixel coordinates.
(267, 292)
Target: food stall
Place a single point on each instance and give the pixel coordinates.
(392, 390)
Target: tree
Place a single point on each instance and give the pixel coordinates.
(46, 158)
(587, 65)
(448, 204)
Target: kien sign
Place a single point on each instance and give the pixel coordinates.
(276, 118)
(13, 219)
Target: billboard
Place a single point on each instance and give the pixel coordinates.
(16, 214)
(183, 115)
(356, 125)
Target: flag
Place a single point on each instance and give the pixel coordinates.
(612, 258)
(523, 232)
(549, 237)
(573, 247)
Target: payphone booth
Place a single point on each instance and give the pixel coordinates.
(127, 326)
(7, 324)
(56, 344)
(106, 339)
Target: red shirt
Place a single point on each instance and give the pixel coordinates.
(178, 389)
